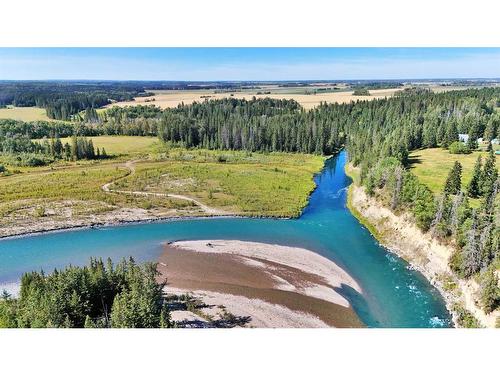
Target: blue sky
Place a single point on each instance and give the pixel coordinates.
(233, 64)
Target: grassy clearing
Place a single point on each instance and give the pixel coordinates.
(24, 114)
(273, 184)
(75, 186)
(432, 166)
(82, 183)
(122, 145)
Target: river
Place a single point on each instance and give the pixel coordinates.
(393, 295)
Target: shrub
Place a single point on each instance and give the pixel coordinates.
(361, 92)
(459, 148)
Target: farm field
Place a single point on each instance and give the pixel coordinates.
(303, 95)
(24, 114)
(172, 98)
(432, 166)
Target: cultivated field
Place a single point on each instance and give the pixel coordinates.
(308, 97)
(432, 166)
(172, 98)
(24, 113)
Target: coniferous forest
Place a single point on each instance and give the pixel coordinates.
(100, 295)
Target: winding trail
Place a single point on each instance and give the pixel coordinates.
(130, 166)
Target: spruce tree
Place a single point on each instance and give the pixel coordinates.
(490, 291)
(451, 134)
(74, 148)
(489, 175)
(474, 187)
(471, 252)
(454, 181)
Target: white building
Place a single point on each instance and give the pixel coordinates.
(463, 138)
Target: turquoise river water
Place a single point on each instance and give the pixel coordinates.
(393, 295)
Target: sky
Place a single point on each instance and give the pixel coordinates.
(247, 64)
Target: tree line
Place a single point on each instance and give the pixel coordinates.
(370, 130)
(22, 151)
(100, 295)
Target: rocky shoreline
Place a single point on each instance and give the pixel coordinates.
(19, 231)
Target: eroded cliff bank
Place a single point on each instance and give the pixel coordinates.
(399, 234)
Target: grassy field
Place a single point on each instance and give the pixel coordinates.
(432, 166)
(81, 183)
(122, 145)
(273, 184)
(24, 113)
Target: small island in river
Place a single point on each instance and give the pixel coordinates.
(260, 285)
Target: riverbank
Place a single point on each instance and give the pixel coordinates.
(400, 235)
(117, 217)
(268, 285)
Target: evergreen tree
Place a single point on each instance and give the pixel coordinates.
(489, 291)
(489, 175)
(474, 187)
(453, 183)
(67, 151)
(472, 253)
(451, 134)
(74, 148)
(491, 129)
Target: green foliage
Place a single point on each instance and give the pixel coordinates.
(361, 92)
(489, 291)
(453, 183)
(97, 295)
(474, 187)
(458, 148)
(140, 303)
(451, 134)
(464, 318)
(405, 193)
(489, 175)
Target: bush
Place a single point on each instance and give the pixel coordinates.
(459, 148)
(221, 158)
(361, 92)
(465, 318)
(40, 211)
(2, 168)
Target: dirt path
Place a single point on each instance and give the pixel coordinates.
(130, 166)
